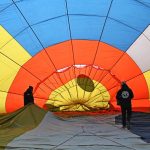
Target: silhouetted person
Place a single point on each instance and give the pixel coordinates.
(124, 96)
(28, 96)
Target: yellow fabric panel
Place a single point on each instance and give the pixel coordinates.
(147, 77)
(8, 68)
(74, 98)
(12, 49)
(14, 124)
(3, 96)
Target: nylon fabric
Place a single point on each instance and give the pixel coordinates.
(14, 124)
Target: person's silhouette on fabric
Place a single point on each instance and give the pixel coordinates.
(124, 96)
(28, 96)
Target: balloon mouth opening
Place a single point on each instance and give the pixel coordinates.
(79, 88)
(76, 107)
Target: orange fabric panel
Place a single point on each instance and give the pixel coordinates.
(123, 71)
(111, 84)
(113, 92)
(40, 102)
(41, 95)
(14, 102)
(139, 87)
(123, 68)
(84, 51)
(107, 56)
(19, 85)
(140, 91)
(61, 54)
(40, 65)
(98, 75)
(102, 76)
(143, 105)
(66, 77)
(108, 81)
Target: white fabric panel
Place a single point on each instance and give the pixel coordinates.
(139, 51)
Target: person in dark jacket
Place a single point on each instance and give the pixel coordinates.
(124, 97)
(28, 96)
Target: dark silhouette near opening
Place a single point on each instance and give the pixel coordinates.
(28, 96)
(124, 96)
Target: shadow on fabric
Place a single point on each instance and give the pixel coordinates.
(140, 125)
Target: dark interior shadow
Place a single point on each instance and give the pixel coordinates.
(140, 125)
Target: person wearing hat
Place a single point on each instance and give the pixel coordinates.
(124, 97)
(28, 96)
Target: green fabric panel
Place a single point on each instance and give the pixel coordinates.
(14, 124)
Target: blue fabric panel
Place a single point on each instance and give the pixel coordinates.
(132, 13)
(12, 21)
(118, 35)
(15, 24)
(85, 27)
(28, 40)
(4, 6)
(127, 20)
(40, 10)
(5, 2)
(88, 7)
(53, 31)
(144, 2)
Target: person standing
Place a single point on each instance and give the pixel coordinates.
(124, 97)
(28, 96)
